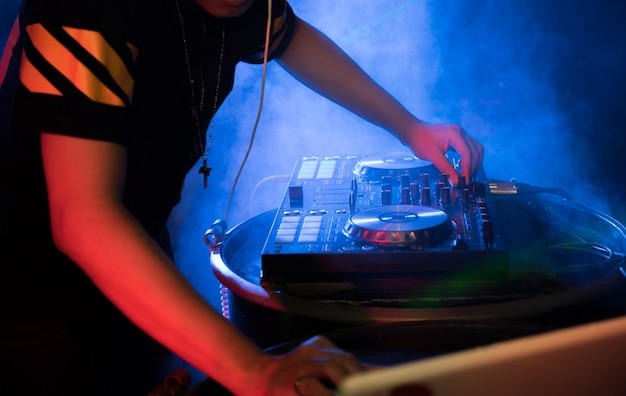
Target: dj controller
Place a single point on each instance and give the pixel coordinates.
(384, 256)
(390, 229)
(384, 218)
(385, 238)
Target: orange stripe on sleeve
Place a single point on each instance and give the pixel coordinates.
(98, 47)
(67, 64)
(33, 80)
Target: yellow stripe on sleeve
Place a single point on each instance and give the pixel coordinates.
(33, 80)
(66, 63)
(97, 46)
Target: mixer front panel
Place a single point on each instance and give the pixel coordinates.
(384, 216)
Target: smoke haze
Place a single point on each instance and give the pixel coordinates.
(539, 83)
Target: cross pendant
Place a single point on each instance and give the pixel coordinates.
(205, 171)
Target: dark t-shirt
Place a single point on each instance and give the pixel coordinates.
(114, 70)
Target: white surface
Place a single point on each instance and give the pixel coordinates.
(586, 360)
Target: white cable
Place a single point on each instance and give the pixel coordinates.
(268, 32)
(280, 178)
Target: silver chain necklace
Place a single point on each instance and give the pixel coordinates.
(204, 170)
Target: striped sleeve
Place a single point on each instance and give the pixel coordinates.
(69, 61)
(75, 70)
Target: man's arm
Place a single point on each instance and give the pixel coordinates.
(90, 225)
(316, 61)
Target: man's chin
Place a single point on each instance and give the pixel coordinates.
(225, 8)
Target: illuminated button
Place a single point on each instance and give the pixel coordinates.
(285, 236)
(285, 225)
(327, 169)
(287, 229)
(290, 220)
(313, 219)
(307, 169)
(310, 231)
(303, 238)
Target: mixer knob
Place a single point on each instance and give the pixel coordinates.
(465, 196)
(444, 178)
(414, 193)
(438, 187)
(386, 197)
(445, 196)
(425, 198)
(462, 183)
(405, 180)
(386, 181)
(425, 180)
(405, 196)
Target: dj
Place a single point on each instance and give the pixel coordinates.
(104, 108)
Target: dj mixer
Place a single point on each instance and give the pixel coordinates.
(390, 220)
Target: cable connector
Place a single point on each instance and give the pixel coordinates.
(215, 233)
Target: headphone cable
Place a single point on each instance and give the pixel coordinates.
(268, 31)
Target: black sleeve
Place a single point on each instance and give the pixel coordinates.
(75, 67)
(281, 33)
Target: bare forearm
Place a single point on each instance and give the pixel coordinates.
(318, 63)
(91, 226)
(142, 282)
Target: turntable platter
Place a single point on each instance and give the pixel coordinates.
(374, 167)
(399, 225)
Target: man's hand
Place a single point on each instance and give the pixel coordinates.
(430, 142)
(310, 369)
